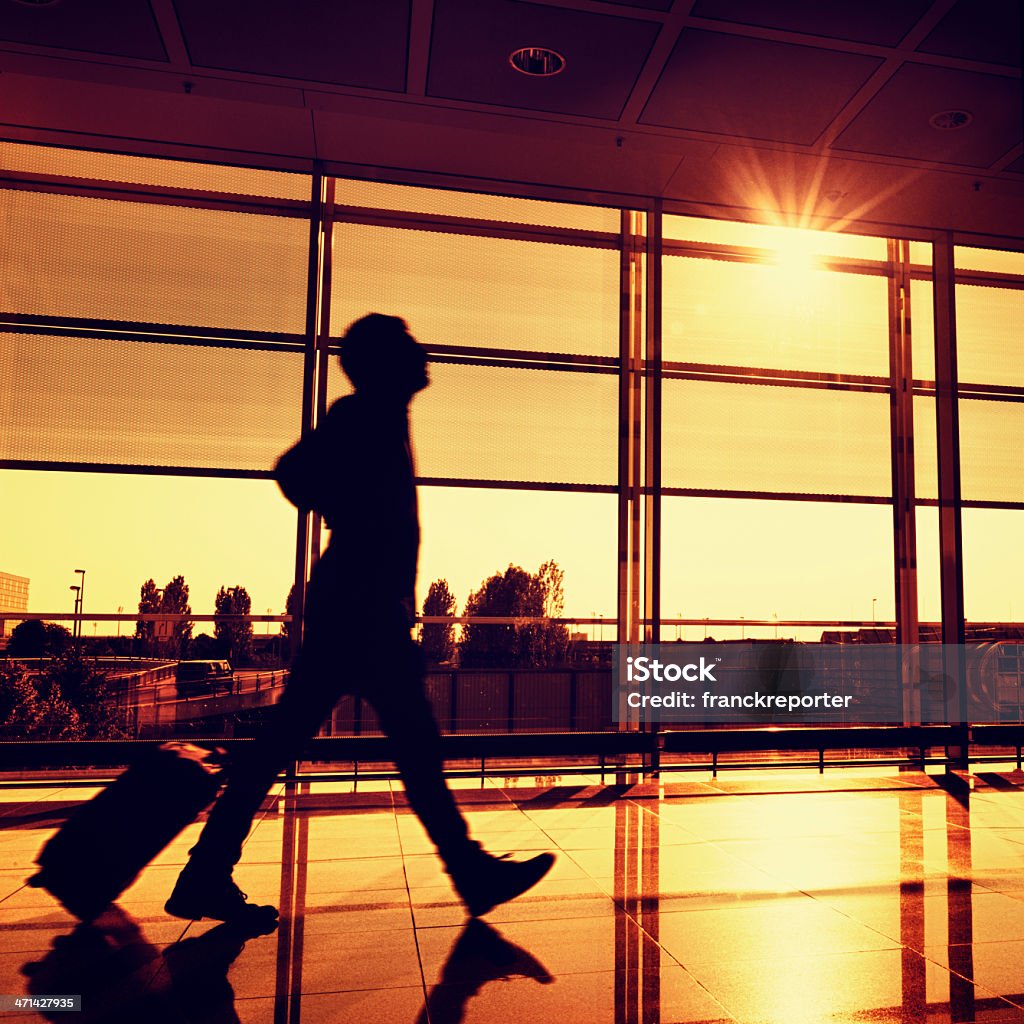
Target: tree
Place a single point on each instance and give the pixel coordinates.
(68, 700)
(90, 698)
(175, 601)
(289, 609)
(172, 600)
(205, 648)
(36, 639)
(438, 638)
(516, 593)
(20, 711)
(149, 604)
(234, 634)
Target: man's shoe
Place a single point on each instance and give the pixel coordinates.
(484, 881)
(196, 896)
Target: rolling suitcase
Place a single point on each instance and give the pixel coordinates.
(106, 842)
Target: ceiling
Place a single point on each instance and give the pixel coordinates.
(797, 110)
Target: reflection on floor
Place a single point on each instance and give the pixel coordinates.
(779, 898)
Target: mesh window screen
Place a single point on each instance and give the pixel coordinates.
(504, 423)
(139, 170)
(109, 260)
(997, 261)
(991, 450)
(73, 399)
(989, 325)
(407, 198)
(922, 330)
(745, 314)
(467, 290)
(926, 467)
(756, 438)
(778, 238)
(921, 253)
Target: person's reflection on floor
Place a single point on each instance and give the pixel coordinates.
(198, 988)
(110, 963)
(124, 979)
(480, 955)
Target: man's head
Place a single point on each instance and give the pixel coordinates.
(380, 356)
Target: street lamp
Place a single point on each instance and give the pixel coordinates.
(78, 600)
(81, 597)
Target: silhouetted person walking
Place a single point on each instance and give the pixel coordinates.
(356, 470)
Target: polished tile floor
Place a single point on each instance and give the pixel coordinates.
(783, 897)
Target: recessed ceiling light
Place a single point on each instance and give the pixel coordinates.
(537, 61)
(950, 120)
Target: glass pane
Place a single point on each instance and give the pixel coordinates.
(929, 586)
(780, 317)
(491, 292)
(479, 422)
(780, 238)
(381, 196)
(469, 534)
(989, 326)
(991, 442)
(70, 256)
(144, 170)
(926, 467)
(725, 558)
(993, 564)
(995, 260)
(921, 253)
(88, 399)
(922, 330)
(124, 529)
(753, 437)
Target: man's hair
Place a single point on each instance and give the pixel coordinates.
(364, 351)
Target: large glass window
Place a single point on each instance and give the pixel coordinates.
(989, 318)
(155, 359)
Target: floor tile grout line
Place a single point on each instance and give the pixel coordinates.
(412, 909)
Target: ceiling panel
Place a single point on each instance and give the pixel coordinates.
(985, 30)
(132, 116)
(647, 5)
(883, 22)
(472, 41)
(362, 45)
(895, 122)
(122, 28)
(754, 88)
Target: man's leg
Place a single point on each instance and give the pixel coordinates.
(408, 721)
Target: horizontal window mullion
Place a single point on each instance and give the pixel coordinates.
(136, 470)
(168, 333)
(703, 492)
(471, 226)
